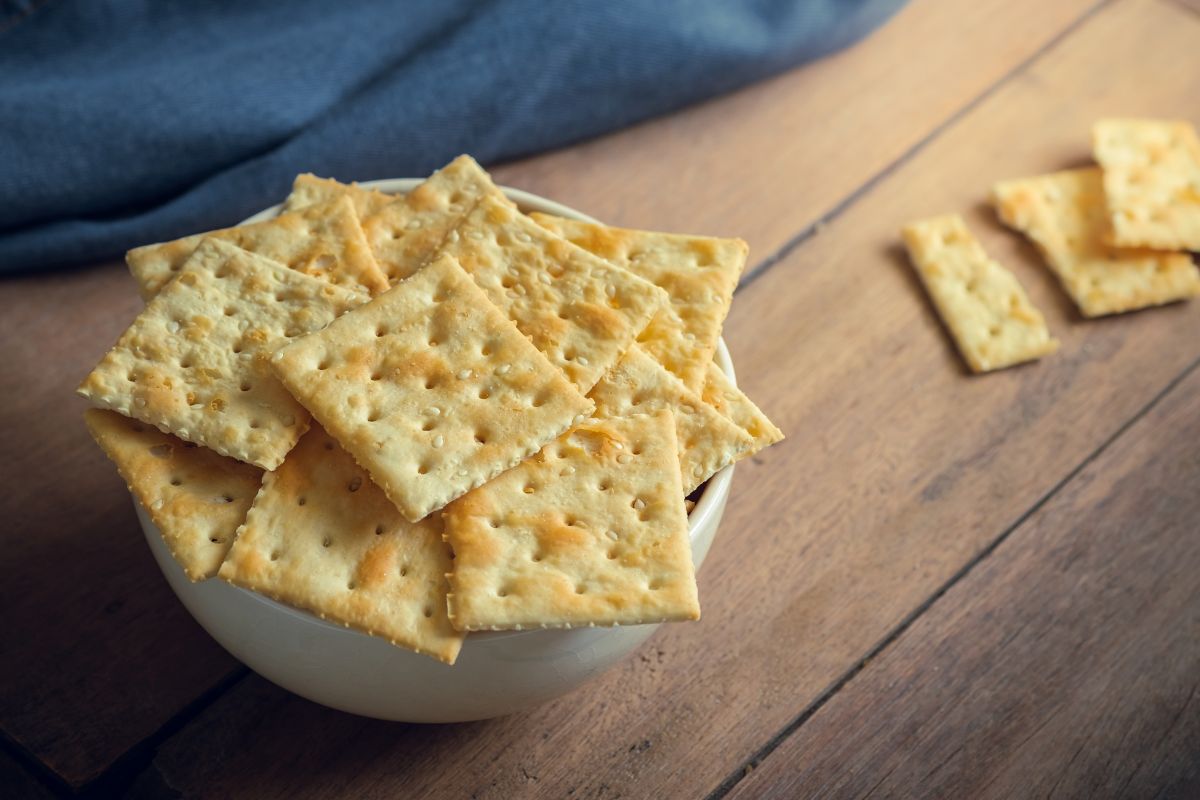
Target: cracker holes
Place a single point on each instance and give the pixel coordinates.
(604, 485)
(486, 350)
(302, 501)
(216, 539)
(427, 425)
(994, 331)
(354, 485)
(255, 424)
(423, 469)
(494, 523)
(428, 612)
(323, 364)
(485, 393)
(176, 480)
(326, 542)
(581, 589)
(481, 437)
(404, 570)
(275, 554)
(379, 530)
(536, 557)
(502, 592)
(636, 449)
(280, 297)
(540, 400)
(529, 488)
(161, 451)
(229, 311)
(185, 362)
(226, 498)
(380, 331)
(612, 554)
(376, 375)
(373, 415)
(655, 585)
(508, 282)
(131, 377)
(351, 585)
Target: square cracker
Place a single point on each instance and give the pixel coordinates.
(733, 404)
(430, 388)
(708, 442)
(322, 537)
(699, 274)
(196, 497)
(407, 233)
(578, 309)
(1064, 214)
(308, 190)
(590, 531)
(983, 305)
(1151, 182)
(325, 241)
(194, 362)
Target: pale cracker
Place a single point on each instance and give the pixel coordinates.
(578, 309)
(196, 497)
(1151, 182)
(708, 442)
(1064, 215)
(321, 536)
(309, 190)
(194, 362)
(699, 274)
(985, 308)
(324, 241)
(590, 531)
(733, 404)
(405, 234)
(431, 388)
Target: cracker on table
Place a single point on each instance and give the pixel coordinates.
(308, 190)
(324, 241)
(590, 531)
(1151, 182)
(982, 303)
(194, 361)
(699, 274)
(708, 442)
(577, 308)
(733, 404)
(1065, 216)
(321, 536)
(407, 233)
(431, 388)
(196, 497)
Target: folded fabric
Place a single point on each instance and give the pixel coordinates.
(123, 123)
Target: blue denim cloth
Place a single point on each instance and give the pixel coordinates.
(126, 122)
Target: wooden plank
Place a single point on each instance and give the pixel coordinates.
(1066, 664)
(769, 161)
(98, 653)
(899, 470)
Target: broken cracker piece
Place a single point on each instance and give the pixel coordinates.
(1151, 182)
(982, 303)
(733, 404)
(1064, 214)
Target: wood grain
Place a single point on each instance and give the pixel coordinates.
(899, 470)
(1087, 687)
(767, 162)
(98, 653)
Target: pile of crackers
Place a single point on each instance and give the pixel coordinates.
(1116, 236)
(430, 414)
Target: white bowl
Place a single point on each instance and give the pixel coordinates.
(496, 673)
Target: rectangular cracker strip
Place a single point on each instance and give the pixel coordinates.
(578, 309)
(1064, 214)
(699, 274)
(733, 404)
(308, 190)
(982, 303)
(431, 388)
(324, 241)
(707, 441)
(407, 233)
(322, 537)
(193, 363)
(590, 531)
(196, 497)
(1151, 182)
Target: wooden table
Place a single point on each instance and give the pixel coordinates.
(940, 585)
